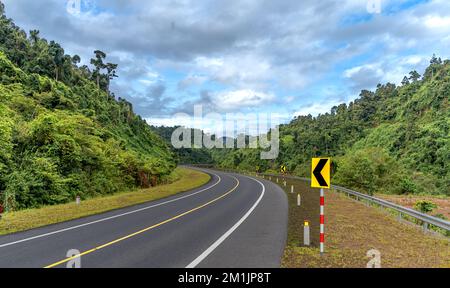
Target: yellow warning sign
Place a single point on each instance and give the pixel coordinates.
(320, 173)
(283, 169)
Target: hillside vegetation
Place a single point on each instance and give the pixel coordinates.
(185, 155)
(392, 140)
(63, 133)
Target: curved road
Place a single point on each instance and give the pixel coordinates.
(234, 221)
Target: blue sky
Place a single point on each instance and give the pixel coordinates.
(283, 57)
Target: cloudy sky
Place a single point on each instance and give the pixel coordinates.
(284, 57)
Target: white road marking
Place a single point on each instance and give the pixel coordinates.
(111, 217)
(219, 241)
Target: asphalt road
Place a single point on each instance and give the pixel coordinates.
(234, 221)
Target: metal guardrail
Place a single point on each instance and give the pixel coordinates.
(426, 219)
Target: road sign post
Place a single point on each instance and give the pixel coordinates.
(320, 178)
(322, 221)
(320, 173)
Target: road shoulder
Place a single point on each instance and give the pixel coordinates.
(33, 218)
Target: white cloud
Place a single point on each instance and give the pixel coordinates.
(374, 68)
(316, 108)
(243, 70)
(238, 99)
(412, 60)
(389, 69)
(192, 80)
(245, 47)
(151, 77)
(437, 22)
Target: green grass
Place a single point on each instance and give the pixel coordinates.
(183, 180)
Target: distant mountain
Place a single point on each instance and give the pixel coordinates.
(185, 155)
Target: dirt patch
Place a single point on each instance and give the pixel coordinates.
(409, 201)
(352, 229)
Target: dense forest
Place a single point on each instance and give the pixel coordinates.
(392, 140)
(199, 155)
(63, 132)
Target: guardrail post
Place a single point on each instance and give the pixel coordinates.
(306, 234)
(299, 200)
(292, 188)
(418, 218)
(284, 183)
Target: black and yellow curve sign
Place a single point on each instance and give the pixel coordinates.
(320, 173)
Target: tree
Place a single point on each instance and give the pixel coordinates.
(414, 76)
(111, 74)
(34, 36)
(434, 63)
(98, 64)
(85, 71)
(76, 60)
(435, 60)
(57, 54)
(405, 81)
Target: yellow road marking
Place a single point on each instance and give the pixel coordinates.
(145, 229)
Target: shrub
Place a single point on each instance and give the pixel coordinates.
(371, 169)
(425, 206)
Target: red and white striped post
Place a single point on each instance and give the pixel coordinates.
(322, 222)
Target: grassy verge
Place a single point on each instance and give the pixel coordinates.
(183, 180)
(352, 229)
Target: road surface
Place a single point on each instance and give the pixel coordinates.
(234, 221)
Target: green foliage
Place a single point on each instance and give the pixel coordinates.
(37, 182)
(370, 170)
(61, 134)
(185, 155)
(6, 147)
(407, 128)
(425, 206)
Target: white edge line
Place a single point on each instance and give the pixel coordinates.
(111, 217)
(219, 241)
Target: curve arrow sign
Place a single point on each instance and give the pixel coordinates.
(320, 173)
